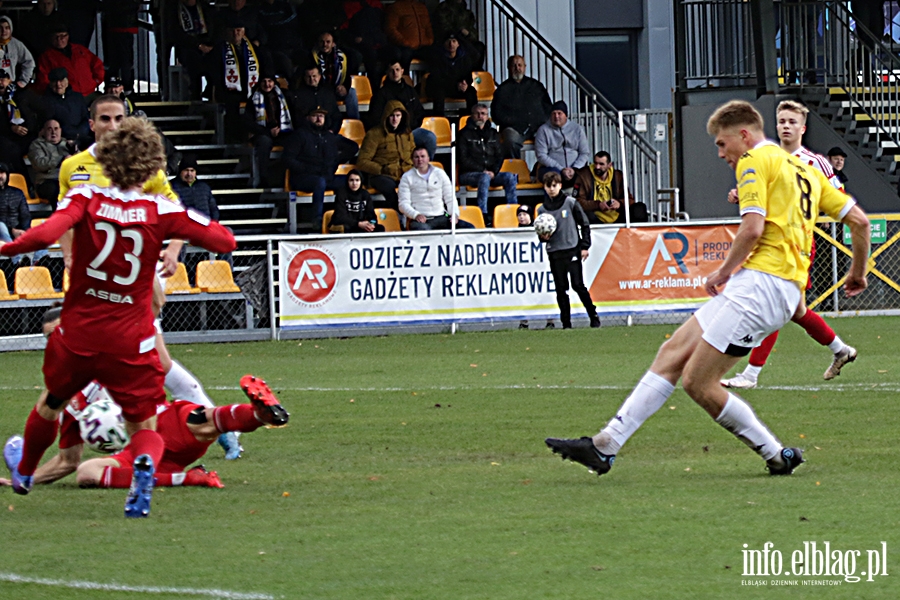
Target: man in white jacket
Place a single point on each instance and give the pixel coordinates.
(426, 196)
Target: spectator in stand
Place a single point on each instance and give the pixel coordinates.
(85, 70)
(267, 118)
(450, 73)
(66, 106)
(312, 93)
(395, 87)
(15, 58)
(311, 154)
(479, 157)
(386, 152)
(81, 16)
(336, 71)
(15, 218)
(36, 23)
(520, 106)
(17, 124)
(453, 16)
(192, 192)
(426, 196)
(120, 25)
(836, 157)
(363, 32)
(114, 86)
(234, 73)
(600, 190)
(191, 29)
(46, 154)
(248, 16)
(561, 146)
(354, 211)
(408, 27)
(282, 26)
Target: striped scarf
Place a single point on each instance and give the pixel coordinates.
(337, 70)
(189, 24)
(233, 67)
(12, 110)
(259, 103)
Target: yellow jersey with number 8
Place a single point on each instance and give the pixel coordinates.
(790, 195)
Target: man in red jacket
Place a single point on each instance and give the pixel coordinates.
(85, 70)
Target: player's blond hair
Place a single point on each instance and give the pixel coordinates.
(736, 113)
(792, 106)
(131, 154)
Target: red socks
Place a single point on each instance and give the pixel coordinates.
(816, 327)
(39, 435)
(236, 417)
(149, 442)
(760, 354)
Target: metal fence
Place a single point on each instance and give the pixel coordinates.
(209, 307)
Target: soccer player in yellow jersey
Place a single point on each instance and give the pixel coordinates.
(780, 198)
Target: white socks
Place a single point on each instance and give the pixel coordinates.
(648, 396)
(738, 418)
(184, 386)
(836, 345)
(752, 372)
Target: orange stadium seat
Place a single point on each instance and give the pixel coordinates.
(353, 129)
(440, 127)
(520, 168)
(326, 220)
(389, 218)
(363, 88)
(179, 283)
(34, 283)
(483, 82)
(4, 289)
(505, 216)
(473, 215)
(215, 277)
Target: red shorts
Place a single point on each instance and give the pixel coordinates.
(135, 381)
(182, 448)
(69, 431)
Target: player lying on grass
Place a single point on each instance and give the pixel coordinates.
(765, 271)
(187, 429)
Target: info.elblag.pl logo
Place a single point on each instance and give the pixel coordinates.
(813, 564)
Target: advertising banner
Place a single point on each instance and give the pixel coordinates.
(487, 275)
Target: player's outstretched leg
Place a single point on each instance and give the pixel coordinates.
(791, 458)
(12, 455)
(582, 450)
(265, 405)
(845, 355)
(137, 504)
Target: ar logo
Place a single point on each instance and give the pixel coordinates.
(311, 276)
(660, 249)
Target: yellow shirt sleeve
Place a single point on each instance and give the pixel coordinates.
(65, 171)
(832, 201)
(159, 185)
(752, 185)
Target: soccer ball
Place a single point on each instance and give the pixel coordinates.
(545, 225)
(102, 426)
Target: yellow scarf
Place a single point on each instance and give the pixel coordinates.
(603, 193)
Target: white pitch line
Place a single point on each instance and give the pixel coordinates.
(114, 587)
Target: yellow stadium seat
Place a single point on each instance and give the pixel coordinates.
(462, 122)
(483, 82)
(363, 88)
(520, 168)
(215, 277)
(4, 289)
(34, 283)
(17, 180)
(344, 169)
(440, 127)
(326, 220)
(437, 165)
(179, 284)
(389, 218)
(65, 280)
(505, 216)
(353, 129)
(537, 206)
(473, 215)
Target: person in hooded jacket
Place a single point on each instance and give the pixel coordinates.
(386, 152)
(354, 211)
(15, 58)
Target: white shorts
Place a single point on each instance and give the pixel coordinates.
(159, 278)
(752, 305)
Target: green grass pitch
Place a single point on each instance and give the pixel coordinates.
(414, 467)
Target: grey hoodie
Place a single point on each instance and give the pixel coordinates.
(14, 56)
(561, 147)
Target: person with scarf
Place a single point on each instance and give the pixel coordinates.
(234, 71)
(337, 72)
(311, 155)
(268, 121)
(85, 70)
(354, 211)
(190, 28)
(15, 58)
(451, 67)
(600, 190)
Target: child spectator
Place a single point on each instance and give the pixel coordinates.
(566, 248)
(523, 214)
(354, 211)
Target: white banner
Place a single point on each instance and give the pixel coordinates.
(419, 279)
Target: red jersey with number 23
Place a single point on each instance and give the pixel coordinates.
(117, 239)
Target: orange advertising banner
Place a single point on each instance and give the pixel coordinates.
(661, 264)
